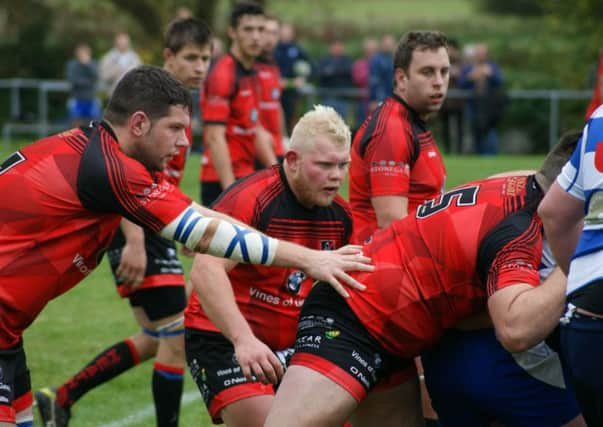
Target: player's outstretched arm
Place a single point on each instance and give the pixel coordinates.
(210, 280)
(218, 147)
(207, 231)
(524, 315)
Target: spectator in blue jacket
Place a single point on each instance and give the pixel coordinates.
(82, 73)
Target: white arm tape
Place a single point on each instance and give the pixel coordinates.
(230, 240)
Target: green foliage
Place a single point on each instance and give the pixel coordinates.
(511, 7)
(554, 49)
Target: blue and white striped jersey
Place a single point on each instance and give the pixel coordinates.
(582, 177)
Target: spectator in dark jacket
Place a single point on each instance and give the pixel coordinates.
(334, 76)
(295, 67)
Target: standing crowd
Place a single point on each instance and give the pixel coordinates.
(412, 304)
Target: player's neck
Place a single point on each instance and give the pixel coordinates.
(245, 60)
(122, 138)
(543, 182)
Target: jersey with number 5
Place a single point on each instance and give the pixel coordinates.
(439, 266)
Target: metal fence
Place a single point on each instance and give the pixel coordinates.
(42, 125)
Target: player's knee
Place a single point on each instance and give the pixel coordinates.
(24, 417)
(170, 329)
(145, 345)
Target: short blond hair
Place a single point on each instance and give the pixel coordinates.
(322, 120)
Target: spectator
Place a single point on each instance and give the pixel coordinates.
(360, 77)
(382, 72)
(230, 107)
(334, 77)
(269, 77)
(82, 74)
(184, 12)
(484, 78)
(451, 112)
(117, 61)
(295, 67)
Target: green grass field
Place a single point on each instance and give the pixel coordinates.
(75, 327)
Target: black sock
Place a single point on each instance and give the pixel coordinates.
(106, 366)
(167, 392)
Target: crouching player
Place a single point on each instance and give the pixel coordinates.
(472, 379)
(241, 322)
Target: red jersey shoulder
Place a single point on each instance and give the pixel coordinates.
(246, 197)
(384, 129)
(221, 78)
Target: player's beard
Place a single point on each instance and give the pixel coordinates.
(307, 195)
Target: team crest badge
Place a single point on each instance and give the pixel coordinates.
(326, 245)
(295, 280)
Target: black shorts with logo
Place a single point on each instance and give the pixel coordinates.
(213, 365)
(329, 333)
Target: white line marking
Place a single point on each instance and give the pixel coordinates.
(149, 411)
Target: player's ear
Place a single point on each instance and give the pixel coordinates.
(167, 54)
(232, 32)
(291, 158)
(400, 77)
(139, 123)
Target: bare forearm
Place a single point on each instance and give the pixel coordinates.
(389, 209)
(264, 147)
(210, 281)
(132, 232)
(218, 148)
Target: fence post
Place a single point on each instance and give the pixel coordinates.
(553, 117)
(15, 99)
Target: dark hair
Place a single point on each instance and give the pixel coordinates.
(244, 8)
(417, 40)
(146, 88)
(186, 31)
(559, 155)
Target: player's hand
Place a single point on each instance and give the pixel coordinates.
(258, 362)
(132, 265)
(331, 267)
